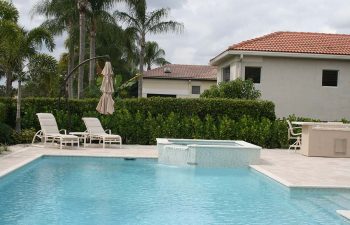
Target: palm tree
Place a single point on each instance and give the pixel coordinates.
(154, 55)
(28, 43)
(42, 76)
(61, 15)
(9, 31)
(26, 46)
(83, 8)
(99, 14)
(143, 22)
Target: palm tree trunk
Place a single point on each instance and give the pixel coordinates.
(70, 68)
(18, 112)
(71, 60)
(142, 61)
(82, 4)
(8, 83)
(92, 52)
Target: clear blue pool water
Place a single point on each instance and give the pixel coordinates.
(74, 190)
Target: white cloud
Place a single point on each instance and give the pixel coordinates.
(212, 26)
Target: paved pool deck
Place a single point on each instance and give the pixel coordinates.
(286, 167)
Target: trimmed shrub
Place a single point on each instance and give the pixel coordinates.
(24, 137)
(233, 108)
(3, 112)
(235, 89)
(6, 134)
(4, 148)
(72, 111)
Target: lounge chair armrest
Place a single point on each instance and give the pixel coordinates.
(109, 131)
(64, 130)
(297, 127)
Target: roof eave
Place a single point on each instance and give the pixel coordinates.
(223, 56)
(217, 59)
(180, 78)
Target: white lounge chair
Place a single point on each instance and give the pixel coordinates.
(294, 136)
(96, 132)
(49, 131)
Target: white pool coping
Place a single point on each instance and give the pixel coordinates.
(344, 213)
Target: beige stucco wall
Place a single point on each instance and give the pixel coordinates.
(295, 85)
(180, 88)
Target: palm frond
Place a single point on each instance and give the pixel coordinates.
(8, 29)
(138, 8)
(98, 5)
(39, 36)
(8, 12)
(156, 16)
(41, 8)
(131, 21)
(105, 17)
(166, 27)
(56, 25)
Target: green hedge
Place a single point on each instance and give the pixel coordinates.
(233, 108)
(140, 121)
(3, 112)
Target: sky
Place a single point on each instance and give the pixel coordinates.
(212, 26)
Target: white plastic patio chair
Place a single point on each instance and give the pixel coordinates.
(49, 131)
(96, 132)
(292, 135)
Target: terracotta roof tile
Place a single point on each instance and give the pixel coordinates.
(183, 72)
(298, 42)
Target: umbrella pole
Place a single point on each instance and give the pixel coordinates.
(63, 91)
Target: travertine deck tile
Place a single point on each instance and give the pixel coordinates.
(295, 170)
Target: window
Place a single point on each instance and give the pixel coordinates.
(196, 90)
(226, 74)
(253, 73)
(160, 95)
(330, 78)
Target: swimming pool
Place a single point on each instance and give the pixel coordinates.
(77, 190)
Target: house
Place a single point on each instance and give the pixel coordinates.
(306, 74)
(178, 81)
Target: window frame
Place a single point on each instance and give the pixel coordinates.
(255, 67)
(226, 74)
(196, 86)
(323, 77)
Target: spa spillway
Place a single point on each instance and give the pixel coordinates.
(207, 153)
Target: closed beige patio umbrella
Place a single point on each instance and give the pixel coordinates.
(106, 103)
